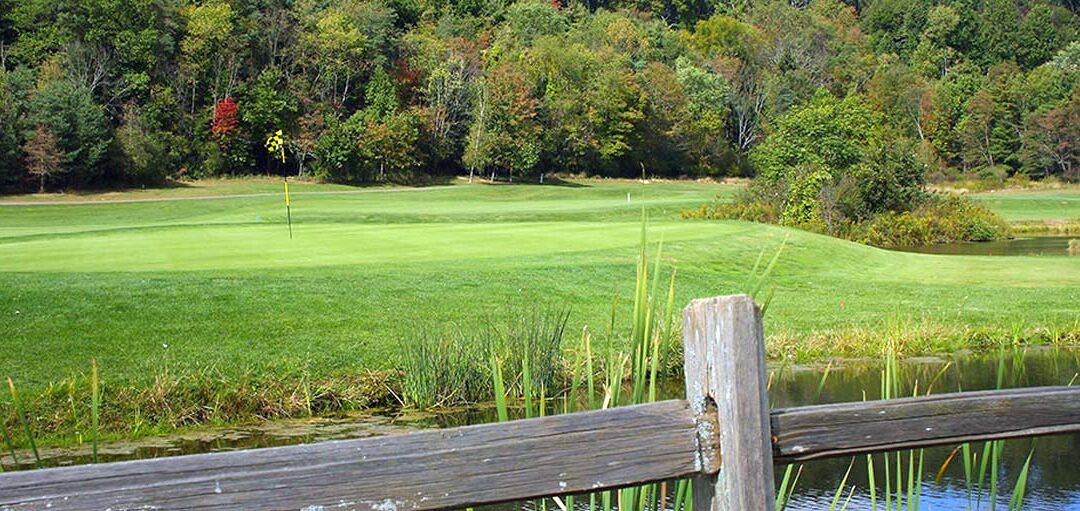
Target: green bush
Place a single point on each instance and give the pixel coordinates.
(943, 218)
(367, 147)
(890, 178)
(940, 218)
(750, 211)
(996, 173)
(144, 153)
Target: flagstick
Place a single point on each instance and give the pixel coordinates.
(288, 213)
(288, 206)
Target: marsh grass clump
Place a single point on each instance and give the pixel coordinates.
(915, 337)
(444, 367)
(1047, 227)
(981, 470)
(895, 479)
(85, 408)
(24, 420)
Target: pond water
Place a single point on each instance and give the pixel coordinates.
(1032, 246)
(1054, 476)
(1053, 481)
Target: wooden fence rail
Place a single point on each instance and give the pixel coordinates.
(724, 436)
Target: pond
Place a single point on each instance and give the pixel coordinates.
(1051, 246)
(1054, 477)
(1053, 481)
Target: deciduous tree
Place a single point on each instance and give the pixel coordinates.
(43, 156)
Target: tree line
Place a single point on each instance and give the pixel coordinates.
(98, 93)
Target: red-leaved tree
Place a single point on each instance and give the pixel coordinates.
(225, 117)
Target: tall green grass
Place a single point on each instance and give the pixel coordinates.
(95, 408)
(447, 367)
(8, 444)
(901, 484)
(627, 377)
(983, 481)
(24, 421)
(792, 472)
(981, 470)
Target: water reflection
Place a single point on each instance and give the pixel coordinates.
(1053, 480)
(1033, 246)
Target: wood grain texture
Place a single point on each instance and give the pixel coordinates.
(724, 348)
(825, 431)
(440, 469)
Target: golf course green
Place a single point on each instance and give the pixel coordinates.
(1062, 204)
(176, 285)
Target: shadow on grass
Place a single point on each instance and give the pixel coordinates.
(548, 181)
(97, 189)
(556, 181)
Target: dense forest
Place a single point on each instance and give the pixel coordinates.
(98, 93)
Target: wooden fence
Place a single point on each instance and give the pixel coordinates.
(723, 435)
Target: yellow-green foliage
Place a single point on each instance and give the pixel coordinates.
(909, 338)
(739, 210)
(1052, 228)
(944, 218)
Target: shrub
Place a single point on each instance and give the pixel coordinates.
(891, 178)
(144, 152)
(750, 211)
(943, 218)
(996, 173)
(334, 151)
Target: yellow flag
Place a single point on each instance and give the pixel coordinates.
(287, 203)
(275, 143)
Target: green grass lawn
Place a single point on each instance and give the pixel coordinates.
(221, 285)
(1034, 205)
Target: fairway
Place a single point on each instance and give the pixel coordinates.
(193, 284)
(1034, 205)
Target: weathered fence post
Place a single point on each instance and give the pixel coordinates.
(725, 374)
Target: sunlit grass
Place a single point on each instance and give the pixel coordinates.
(236, 302)
(1034, 205)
